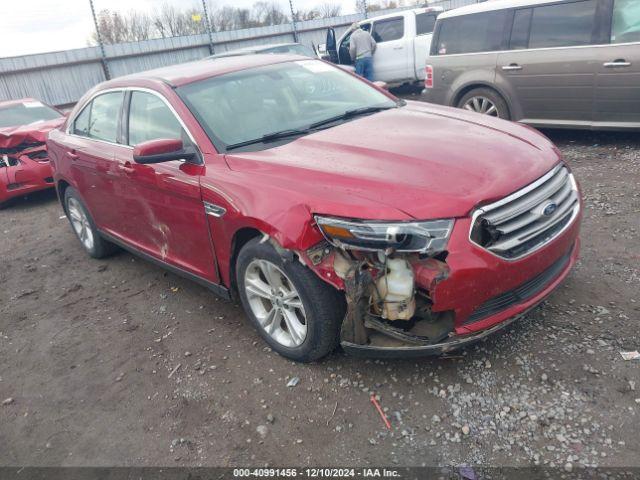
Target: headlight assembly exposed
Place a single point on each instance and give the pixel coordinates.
(428, 237)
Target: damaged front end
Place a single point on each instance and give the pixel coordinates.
(389, 273)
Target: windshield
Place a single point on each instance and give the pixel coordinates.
(246, 105)
(26, 113)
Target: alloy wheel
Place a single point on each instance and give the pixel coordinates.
(80, 223)
(275, 303)
(481, 105)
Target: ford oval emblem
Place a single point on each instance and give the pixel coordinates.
(549, 209)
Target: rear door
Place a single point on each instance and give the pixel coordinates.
(166, 213)
(90, 145)
(393, 58)
(550, 68)
(425, 23)
(617, 96)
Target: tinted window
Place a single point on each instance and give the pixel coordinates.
(81, 125)
(563, 25)
(103, 120)
(481, 32)
(626, 21)
(520, 29)
(425, 23)
(26, 113)
(387, 30)
(151, 119)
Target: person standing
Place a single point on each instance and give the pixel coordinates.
(361, 48)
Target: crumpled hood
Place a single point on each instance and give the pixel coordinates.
(11, 137)
(424, 160)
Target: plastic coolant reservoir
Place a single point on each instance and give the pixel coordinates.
(396, 290)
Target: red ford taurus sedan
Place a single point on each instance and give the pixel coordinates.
(24, 163)
(335, 212)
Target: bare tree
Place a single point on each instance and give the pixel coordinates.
(117, 28)
(269, 13)
(329, 10)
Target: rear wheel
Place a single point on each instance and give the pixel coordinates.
(84, 227)
(486, 102)
(295, 312)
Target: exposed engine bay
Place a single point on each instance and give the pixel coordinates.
(385, 307)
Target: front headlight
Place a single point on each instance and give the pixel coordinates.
(424, 237)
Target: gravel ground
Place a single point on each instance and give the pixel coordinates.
(117, 362)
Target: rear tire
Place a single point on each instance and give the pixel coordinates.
(281, 296)
(84, 227)
(486, 102)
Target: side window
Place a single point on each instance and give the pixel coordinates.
(563, 25)
(151, 119)
(626, 21)
(387, 30)
(81, 123)
(105, 111)
(425, 23)
(481, 32)
(520, 29)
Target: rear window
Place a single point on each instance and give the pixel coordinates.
(425, 23)
(388, 30)
(563, 25)
(482, 32)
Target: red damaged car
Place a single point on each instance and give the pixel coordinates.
(24, 163)
(335, 212)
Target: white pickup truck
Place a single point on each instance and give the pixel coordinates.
(403, 39)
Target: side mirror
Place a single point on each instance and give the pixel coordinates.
(162, 150)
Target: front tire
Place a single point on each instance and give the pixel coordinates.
(295, 312)
(84, 226)
(485, 101)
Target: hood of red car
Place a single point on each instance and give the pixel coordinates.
(11, 137)
(424, 160)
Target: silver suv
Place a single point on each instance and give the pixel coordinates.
(546, 63)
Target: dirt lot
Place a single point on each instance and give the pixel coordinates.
(116, 362)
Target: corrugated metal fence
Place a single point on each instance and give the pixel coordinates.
(61, 78)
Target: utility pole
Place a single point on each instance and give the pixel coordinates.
(293, 22)
(105, 65)
(206, 19)
(364, 6)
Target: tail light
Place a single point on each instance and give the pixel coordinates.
(428, 79)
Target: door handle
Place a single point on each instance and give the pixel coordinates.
(398, 48)
(511, 67)
(617, 63)
(127, 167)
(72, 155)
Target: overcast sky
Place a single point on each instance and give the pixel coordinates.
(35, 26)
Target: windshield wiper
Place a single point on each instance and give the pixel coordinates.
(270, 137)
(350, 114)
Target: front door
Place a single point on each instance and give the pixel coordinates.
(617, 98)
(393, 56)
(167, 218)
(549, 73)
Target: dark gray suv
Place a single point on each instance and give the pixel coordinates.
(573, 64)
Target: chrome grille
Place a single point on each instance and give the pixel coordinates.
(529, 218)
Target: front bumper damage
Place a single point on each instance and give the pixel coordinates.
(458, 298)
(24, 169)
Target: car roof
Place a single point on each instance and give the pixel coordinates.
(417, 11)
(491, 6)
(251, 49)
(8, 103)
(184, 73)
